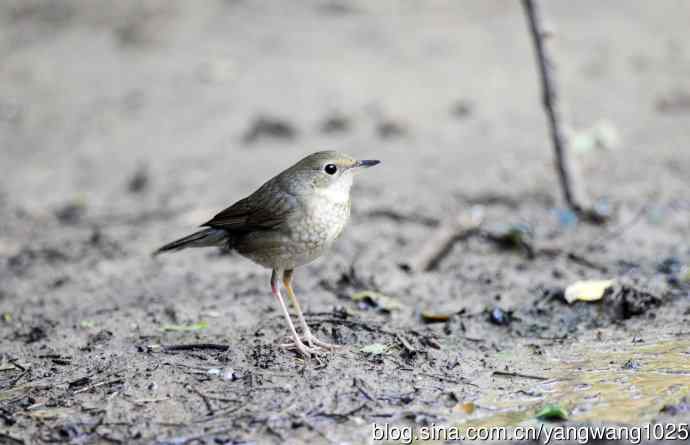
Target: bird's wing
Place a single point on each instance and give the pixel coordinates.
(263, 210)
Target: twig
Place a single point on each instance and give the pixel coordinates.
(222, 399)
(577, 258)
(511, 239)
(204, 398)
(96, 385)
(187, 347)
(581, 260)
(462, 381)
(344, 416)
(426, 339)
(16, 379)
(16, 364)
(405, 344)
(359, 384)
(146, 401)
(517, 374)
(441, 242)
(570, 183)
(224, 413)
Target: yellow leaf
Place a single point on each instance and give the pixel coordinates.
(465, 408)
(591, 290)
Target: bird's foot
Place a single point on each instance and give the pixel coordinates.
(314, 345)
(313, 341)
(304, 350)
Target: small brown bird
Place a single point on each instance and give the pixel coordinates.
(289, 221)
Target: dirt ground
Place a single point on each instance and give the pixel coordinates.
(123, 125)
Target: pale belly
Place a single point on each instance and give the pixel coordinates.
(305, 242)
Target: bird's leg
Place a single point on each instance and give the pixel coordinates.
(309, 338)
(301, 347)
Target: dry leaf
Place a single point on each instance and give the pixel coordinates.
(591, 290)
(375, 349)
(433, 317)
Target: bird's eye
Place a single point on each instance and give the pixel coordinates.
(331, 169)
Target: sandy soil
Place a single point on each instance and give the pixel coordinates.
(124, 125)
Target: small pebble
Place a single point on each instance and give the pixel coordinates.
(631, 364)
(500, 317)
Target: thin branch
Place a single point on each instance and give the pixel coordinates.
(518, 374)
(204, 398)
(439, 245)
(570, 183)
(405, 344)
(187, 347)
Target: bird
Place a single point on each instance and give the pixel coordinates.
(290, 221)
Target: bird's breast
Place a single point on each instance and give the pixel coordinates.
(324, 220)
(304, 238)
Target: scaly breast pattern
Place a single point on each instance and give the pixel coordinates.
(324, 222)
(303, 239)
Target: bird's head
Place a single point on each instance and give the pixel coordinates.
(329, 173)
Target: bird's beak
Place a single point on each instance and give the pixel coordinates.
(367, 163)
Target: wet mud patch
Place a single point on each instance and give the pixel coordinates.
(619, 382)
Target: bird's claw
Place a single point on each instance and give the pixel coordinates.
(304, 350)
(313, 341)
(315, 345)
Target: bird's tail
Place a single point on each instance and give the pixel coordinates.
(202, 238)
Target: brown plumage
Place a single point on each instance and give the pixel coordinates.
(288, 222)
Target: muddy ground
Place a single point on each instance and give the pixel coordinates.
(124, 125)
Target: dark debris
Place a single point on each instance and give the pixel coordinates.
(269, 127)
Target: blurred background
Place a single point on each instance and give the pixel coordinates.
(211, 98)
